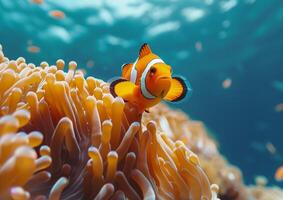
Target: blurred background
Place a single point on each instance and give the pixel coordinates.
(231, 51)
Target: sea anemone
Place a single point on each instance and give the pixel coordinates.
(64, 136)
(177, 126)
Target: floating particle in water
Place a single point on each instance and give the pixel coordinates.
(57, 14)
(90, 63)
(279, 174)
(227, 83)
(33, 49)
(198, 46)
(29, 42)
(222, 35)
(279, 107)
(257, 146)
(226, 24)
(37, 1)
(278, 85)
(182, 54)
(270, 148)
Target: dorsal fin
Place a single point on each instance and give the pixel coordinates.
(126, 70)
(144, 50)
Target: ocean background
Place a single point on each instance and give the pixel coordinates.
(231, 51)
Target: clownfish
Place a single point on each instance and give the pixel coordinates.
(147, 81)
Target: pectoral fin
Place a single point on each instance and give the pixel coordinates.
(122, 88)
(177, 91)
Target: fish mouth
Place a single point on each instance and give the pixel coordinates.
(164, 78)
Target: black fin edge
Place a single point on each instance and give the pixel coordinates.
(143, 45)
(185, 90)
(124, 65)
(112, 86)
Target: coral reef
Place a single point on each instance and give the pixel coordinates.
(65, 137)
(263, 193)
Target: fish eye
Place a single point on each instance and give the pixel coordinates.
(152, 70)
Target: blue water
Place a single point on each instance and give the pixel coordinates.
(207, 41)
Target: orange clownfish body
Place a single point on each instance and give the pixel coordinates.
(147, 81)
